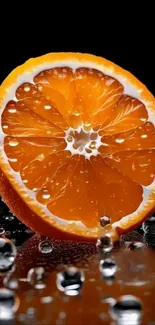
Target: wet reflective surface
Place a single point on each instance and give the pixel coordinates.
(64, 282)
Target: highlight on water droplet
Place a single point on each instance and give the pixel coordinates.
(104, 220)
(45, 247)
(136, 246)
(13, 143)
(9, 304)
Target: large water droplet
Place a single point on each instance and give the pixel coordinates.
(45, 247)
(11, 282)
(9, 304)
(70, 281)
(36, 277)
(149, 226)
(136, 245)
(108, 267)
(127, 310)
(105, 220)
(7, 254)
(105, 244)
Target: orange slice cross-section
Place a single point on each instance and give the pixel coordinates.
(77, 143)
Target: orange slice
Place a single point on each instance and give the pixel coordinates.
(77, 143)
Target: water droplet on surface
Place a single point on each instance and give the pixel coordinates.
(105, 220)
(36, 277)
(11, 282)
(7, 254)
(148, 226)
(105, 244)
(108, 267)
(127, 310)
(70, 281)
(2, 232)
(9, 304)
(136, 245)
(45, 247)
(46, 300)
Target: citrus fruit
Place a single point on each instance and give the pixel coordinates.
(77, 143)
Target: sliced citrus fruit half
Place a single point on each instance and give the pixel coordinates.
(77, 143)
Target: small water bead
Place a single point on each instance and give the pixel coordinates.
(36, 277)
(2, 232)
(9, 218)
(7, 254)
(9, 304)
(108, 267)
(105, 220)
(70, 281)
(136, 245)
(11, 282)
(45, 247)
(47, 106)
(105, 244)
(148, 226)
(127, 310)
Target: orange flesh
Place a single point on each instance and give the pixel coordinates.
(72, 187)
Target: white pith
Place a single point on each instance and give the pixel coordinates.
(30, 195)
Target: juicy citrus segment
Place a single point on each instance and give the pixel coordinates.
(141, 138)
(30, 97)
(127, 114)
(22, 151)
(77, 143)
(139, 166)
(19, 120)
(122, 196)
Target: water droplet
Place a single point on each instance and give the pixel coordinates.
(149, 225)
(70, 281)
(127, 310)
(46, 300)
(36, 277)
(105, 220)
(13, 143)
(108, 267)
(105, 244)
(2, 232)
(45, 247)
(69, 138)
(9, 304)
(7, 254)
(11, 282)
(136, 245)
(47, 106)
